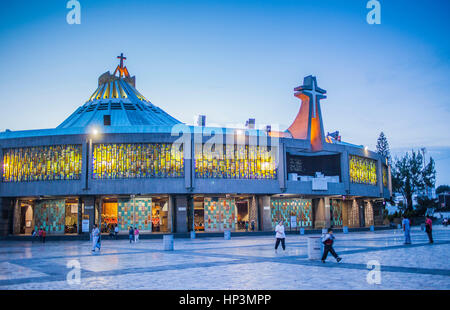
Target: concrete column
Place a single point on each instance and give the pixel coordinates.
(327, 217)
(345, 172)
(380, 177)
(84, 163)
(16, 218)
(345, 212)
(369, 218)
(170, 214)
(281, 166)
(188, 151)
(253, 213)
(354, 214)
(265, 216)
(319, 208)
(89, 209)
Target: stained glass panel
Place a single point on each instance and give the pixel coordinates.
(49, 215)
(235, 162)
(146, 160)
(385, 177)
(42, 163)
(363, 170)
(219, 214)
(283, 209)
(336, 212)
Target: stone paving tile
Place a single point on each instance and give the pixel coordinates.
(240, 263)
(98, 263)
(270, 276)
(12, 271)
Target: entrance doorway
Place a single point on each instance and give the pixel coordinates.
(362, 222)
(199, 214)
(26, 217)
(109, 215)
(160, 214)
(242, 214)
(71, 221)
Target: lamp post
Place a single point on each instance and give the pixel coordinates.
(91, 135)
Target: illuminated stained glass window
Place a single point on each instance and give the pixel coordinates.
(385, 177)
(363, 170)
(138, 160)
(42, 163)
(235, 162)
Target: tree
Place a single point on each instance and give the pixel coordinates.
(424, 203)
(442, 189)
(409, 176)
(383, 147)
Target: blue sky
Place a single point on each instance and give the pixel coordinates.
(232, 60)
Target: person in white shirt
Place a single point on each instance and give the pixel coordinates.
(279, 229)
(116, 231)
(95, 238)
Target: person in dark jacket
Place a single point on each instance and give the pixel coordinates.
(429, 229)
(131, 234)
(328, 240)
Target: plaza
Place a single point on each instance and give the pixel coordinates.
(248, 262)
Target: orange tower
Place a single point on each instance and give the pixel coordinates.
(308, 123)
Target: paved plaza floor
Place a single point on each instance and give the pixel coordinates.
(240, 263)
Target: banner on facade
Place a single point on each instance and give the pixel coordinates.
(85, 225)
(293, 221)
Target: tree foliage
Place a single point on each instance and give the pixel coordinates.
(409, 176)
(383, 147)
(442, 189)
(423, 203)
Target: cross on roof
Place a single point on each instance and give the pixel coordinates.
(123, 71)
(121, 57)
(310, 88)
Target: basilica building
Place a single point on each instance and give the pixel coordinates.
(119, 160)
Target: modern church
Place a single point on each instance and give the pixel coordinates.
(121, 160)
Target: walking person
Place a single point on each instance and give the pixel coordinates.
(279, 229)
(33, 236)
(95, 238)
(253, 225)
(136, 235)
(406, 229)
(116, 231)
(429, 228)
(328, 240)
(40, 234)
(131, 234)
